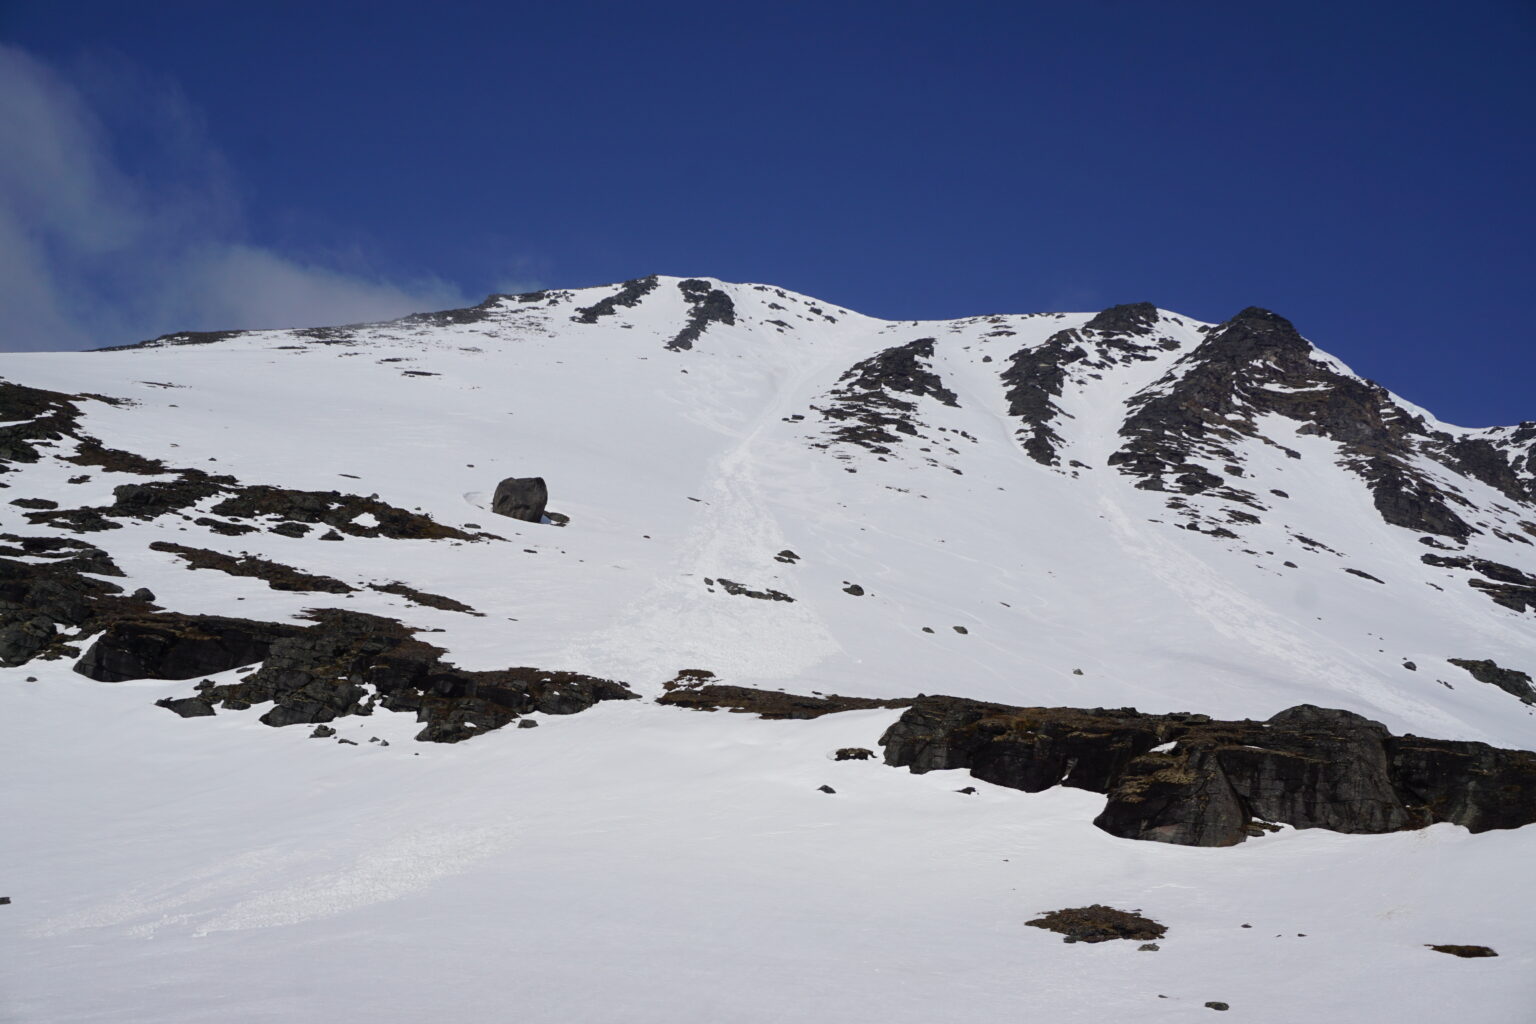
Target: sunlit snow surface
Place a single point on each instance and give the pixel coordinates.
(641, 863)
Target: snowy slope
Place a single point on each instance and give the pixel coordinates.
(641, 863)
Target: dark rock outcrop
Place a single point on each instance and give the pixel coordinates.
(1098, 923)
(1257, 364)
(1464, 951)
(629, 294)
(187, 707)
(276, 575)
(348, 663)
(691, 691)
(742, 590)
(867, 405)
(521, 497)
(1188, 780)
(707, 305)
(1504, 584)
(1034, 377)
(1511, 681)
(36, 598)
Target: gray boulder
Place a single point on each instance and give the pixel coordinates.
(521, 497)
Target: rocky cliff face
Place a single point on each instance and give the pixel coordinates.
(1192, 781)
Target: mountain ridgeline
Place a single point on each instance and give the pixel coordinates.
(1044, 515)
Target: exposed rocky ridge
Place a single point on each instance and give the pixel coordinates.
(1504, 584)
(52, 418)
(487, 309)
(629, 294)
(276, 575)
(1256, 364)
(1189, 780)
(865, 406)
(1511, 681)
(708, 305)
(1035, 376)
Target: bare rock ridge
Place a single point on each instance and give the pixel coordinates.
(1511, 681)
(707, 305)
(1035, 376)
(866, 406)
(629, 295)
(1256, 364)
(1193, 781)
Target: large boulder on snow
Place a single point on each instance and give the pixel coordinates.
(521, 497)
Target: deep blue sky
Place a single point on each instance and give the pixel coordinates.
(1362, 168)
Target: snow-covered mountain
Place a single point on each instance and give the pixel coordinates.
(750, 489)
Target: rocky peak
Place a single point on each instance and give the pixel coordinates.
(1129, 318)
(1256, 364)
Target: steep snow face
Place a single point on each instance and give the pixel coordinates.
(1123, 508)
(1127, 508)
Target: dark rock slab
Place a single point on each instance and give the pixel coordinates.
(173, 646)
(705, 696)
(187, 707)
(1511, 681)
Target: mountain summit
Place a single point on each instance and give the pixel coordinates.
(1195, 583)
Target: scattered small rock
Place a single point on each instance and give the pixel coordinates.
(1148, 947)
(1077, 671)
(527, 723)
(322, 732)
(1218, 1006)
(960, 629)
(332, 535)
(1464, 951)
(968, 791)
(855, 590)
(786, 556)
(143, 594)
(825, 789)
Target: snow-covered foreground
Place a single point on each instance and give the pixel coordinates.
(640, 863)
(644, 863)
